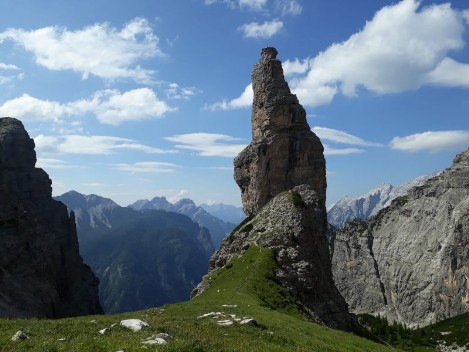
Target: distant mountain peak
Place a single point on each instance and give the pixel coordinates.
(370, 203)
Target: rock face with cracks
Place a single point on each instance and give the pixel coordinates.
(411, 261)
(284, 152)
(41, 271)
(282, 179)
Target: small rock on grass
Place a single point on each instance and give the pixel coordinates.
(158, 339)
(19, 336)
(134, 324)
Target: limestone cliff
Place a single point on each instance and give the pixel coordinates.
(411, 261)
(282, 179)
(41, 271)
(284, 152)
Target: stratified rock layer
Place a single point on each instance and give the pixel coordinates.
(282, 179)
(41, 271)
(284, 153)
(411, 261)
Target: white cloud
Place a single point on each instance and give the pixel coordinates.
(450, 73)
(338, 136)
(402, 48)
(91, 145)
(243, 101)
(257, 30)
(28, 107)
(295, 67)
(99, 49)
(208, 144)
(289, 7)
(432, 141)
(183, 193)
(47, 163)
(252, 4)
(175, 91)
(153, 167)
(328, 150)
(4, 66)
(109, 106)
(394, 52)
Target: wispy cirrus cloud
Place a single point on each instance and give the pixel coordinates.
(276, 7)
(91, 145)
(100, 49)
(152, 167)
(342, 137)
(109, 106)
(208, 144)
(47, 163)
(432, 141)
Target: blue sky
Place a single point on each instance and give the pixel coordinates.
(136, 99)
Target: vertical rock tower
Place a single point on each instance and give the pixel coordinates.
(41, 271)
(282, 176)
(284, 152)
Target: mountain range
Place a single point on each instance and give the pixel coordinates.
(369, 204)
(218, 228)
(143, 258)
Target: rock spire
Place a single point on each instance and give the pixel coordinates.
(283, 183)
(41, 271)
(284, 152)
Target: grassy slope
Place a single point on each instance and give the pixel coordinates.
(247, 283)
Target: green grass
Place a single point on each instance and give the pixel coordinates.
(248, 283)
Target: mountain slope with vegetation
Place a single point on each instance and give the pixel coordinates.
(245, 288)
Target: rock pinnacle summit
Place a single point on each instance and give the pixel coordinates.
(284, 152)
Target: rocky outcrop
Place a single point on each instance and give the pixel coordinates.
(284, 152)
(41, 271)
(411, 261)
(292, 224)
(282, 178)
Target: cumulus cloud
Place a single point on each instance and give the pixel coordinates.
(110, 106)
(295, 67)
(91, 145)
(261, 30)
(432, 141)
(243, 101)
(394, 52)
(208, 144)
(403, 47)
(450, 73)
(153, 167)
(342, 137)
(99, 49)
